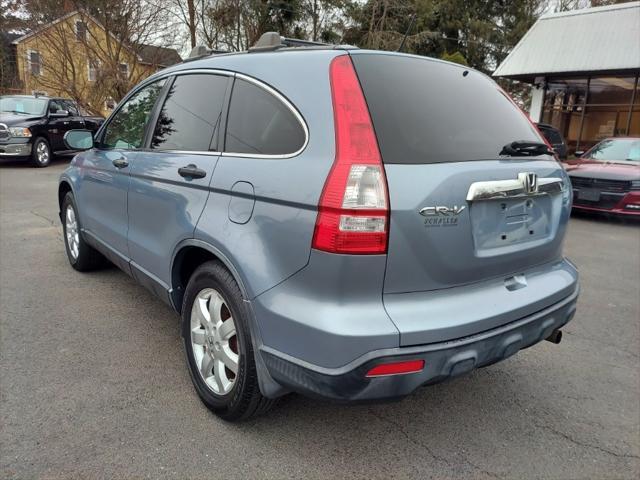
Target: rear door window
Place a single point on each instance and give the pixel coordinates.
(259, 123)
(191, 113)
(426, 111)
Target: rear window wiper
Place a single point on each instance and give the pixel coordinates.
(526, 149)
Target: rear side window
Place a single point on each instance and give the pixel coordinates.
(55, 106)
(551, 135)
(425, 111)
(260, 123)
(70, 107)
(190, 116)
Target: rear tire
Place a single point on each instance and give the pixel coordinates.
(41, 154)
(82, 256)
(217, 341)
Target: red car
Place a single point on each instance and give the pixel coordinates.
(607, 177)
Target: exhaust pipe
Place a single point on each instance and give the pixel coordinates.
(555, 337)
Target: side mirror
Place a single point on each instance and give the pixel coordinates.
(579, 153)
(59, 113)
(78, 139)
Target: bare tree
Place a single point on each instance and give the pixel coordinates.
(188, 13)
(234, 25)
(115, 42)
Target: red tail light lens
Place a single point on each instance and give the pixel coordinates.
(396, 368)
(353, 214)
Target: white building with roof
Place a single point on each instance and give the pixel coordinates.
(583, 66)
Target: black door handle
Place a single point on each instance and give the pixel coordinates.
(191, 171)
(121, 162)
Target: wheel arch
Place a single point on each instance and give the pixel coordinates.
(64, 187)
(188, 256)
(44, 136)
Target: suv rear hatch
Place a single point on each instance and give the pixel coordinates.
(464, 211)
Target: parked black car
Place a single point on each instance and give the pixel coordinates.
(33, 127)
(555, 138)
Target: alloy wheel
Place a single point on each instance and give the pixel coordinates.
(72, 233)
(42, 152)
(214, 341)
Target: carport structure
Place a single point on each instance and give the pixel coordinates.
(583, 66)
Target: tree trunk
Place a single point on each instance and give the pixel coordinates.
(315, 20)
(374, 8)
(192, 21)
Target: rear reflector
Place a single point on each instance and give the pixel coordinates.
(396, 368)
(353, 213)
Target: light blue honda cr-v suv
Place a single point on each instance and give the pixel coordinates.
(342, 223)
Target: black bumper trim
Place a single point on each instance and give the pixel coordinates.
(442, 360)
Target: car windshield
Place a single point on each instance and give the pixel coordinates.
(23, 105)
(616, 150)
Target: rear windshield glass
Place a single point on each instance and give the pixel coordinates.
(429, 112)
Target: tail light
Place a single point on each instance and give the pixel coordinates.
(353, 213)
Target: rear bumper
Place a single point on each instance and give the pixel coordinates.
(442, 360)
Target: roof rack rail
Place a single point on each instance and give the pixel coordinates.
(268, 41)
(201, 51)
(273, 41)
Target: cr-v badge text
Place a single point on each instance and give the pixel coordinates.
(441, 215)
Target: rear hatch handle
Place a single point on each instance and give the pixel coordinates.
(527, 184)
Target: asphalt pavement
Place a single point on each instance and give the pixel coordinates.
(93, 382)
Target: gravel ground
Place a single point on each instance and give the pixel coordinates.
(93, 382)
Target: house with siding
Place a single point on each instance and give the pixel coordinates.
(75, 56)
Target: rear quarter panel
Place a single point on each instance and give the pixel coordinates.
(276, 240)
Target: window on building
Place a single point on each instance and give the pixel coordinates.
(589, 109)
(81, 31)
(123, 70)
(610, 90)
(607, 109)
(93, 66)
(35, 62)
(563, 105)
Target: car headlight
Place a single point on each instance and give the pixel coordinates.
(20, 131)
(635, 184)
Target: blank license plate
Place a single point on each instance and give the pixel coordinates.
(589, 194)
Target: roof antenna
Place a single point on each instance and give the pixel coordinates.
(413, 19)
